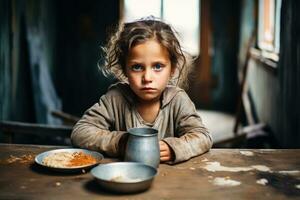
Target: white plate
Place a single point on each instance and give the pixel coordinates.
(98, 156)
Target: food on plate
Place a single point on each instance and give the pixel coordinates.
(68, 159)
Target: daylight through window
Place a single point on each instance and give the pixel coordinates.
(184, 16)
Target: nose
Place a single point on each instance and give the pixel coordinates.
(147, 76)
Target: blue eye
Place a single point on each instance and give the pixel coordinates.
(137, 68)
(158, 67)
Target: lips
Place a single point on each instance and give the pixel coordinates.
(148, 89)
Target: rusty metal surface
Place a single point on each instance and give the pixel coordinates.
(261, 174)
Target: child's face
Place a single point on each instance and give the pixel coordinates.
(148, 68)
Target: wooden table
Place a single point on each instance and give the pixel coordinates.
(262, 174)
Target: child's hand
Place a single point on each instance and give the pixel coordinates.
(166, 153)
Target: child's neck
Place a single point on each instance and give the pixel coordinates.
(148, 110)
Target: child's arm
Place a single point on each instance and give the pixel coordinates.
(191, 137)
(92, 131)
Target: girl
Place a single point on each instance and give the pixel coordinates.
(147, 59)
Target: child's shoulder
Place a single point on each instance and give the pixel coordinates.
(120, 90)
(173, 93)
(172, 90)
(118, 87)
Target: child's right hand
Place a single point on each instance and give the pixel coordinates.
(166, 153)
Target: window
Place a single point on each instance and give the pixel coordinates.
(269, 26)
(182, 15)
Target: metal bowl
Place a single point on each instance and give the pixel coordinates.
(124, 177)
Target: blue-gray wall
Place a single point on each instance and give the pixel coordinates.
(49, 53)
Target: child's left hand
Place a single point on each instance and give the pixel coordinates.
(166, 153)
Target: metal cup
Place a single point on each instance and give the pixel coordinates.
(142, 146)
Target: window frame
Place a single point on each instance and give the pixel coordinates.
(269, 50)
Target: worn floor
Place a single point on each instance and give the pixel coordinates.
(219, 124)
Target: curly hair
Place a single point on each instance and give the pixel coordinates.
(130, 34)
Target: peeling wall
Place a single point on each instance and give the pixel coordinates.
(5, 61)
(49, 53)
(275, 93)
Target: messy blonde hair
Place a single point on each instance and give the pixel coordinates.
(130, 34)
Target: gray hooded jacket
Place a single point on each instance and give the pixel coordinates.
(178, 123)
